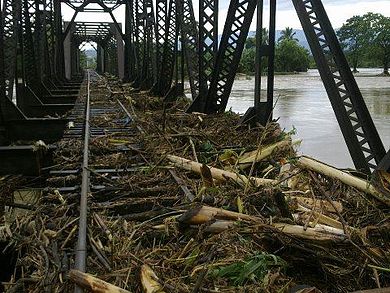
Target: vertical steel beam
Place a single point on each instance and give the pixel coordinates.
(267, 114)
(262, 110)
(259, 56)
(99, 67)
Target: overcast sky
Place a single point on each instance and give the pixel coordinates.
(338, 10)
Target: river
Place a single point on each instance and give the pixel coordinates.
(304, 104)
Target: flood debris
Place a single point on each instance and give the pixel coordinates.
(199, 203)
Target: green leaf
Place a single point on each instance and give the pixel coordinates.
(254, 268)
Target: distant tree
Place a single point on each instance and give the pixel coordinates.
(87, 62)
(247, 63)
(354, 36)
(83, 59)
(381, 40)
(251, 42)
(288, 34)
(290, 57)
(368, 37)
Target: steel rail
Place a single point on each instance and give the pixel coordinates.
(81, 249)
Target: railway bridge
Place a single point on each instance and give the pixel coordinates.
(73, 134)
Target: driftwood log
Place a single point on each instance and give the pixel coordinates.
(220, 220)
(216, 173)
(363, 185)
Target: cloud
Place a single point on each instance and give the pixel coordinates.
(338, 11)
(287, 4)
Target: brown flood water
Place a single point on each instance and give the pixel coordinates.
(303, 103)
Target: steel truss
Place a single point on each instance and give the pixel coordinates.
(190, 43)
(235, 32)
(359, 131)
(169, 55)
(10, 19)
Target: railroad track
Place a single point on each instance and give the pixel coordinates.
(93, 153)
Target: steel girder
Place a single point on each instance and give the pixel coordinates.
(359, 131)
(31, 74)
(59, 63)
(2, 79)
(190, 43)
(208, 48)
(235, 31)
(130, 63)
(38, 48)
(148, 71)
(10, 37)
(208, 41)
(108, 5)
(10, 22)
(111, 57)
(169, 55)
(16, 42)
(161, 18)
(139, 36)
(50, 38)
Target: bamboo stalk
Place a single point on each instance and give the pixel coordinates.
(261, 153)
(221, 220)
(93, 284)
(216, 173)
(363, 185)
(318, 233)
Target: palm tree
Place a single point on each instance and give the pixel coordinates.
(251, 41)
(287, 34)
(264, 36)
